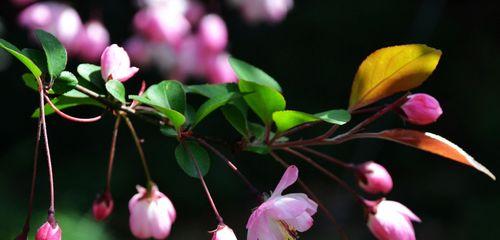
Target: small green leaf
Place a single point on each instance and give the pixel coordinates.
(189, 152)
(168, 131)
(63, 102)
(37, 56)
(92, 74)
(212, 90)
(30, 81)
(75, 94)
(263, 100)
(175, 117)
(260, 149)
(249, 73)
(339, 117)
(211, 105)
(37, 72)
(257, 131)
(116, 89)
(289, 119)
(168, 94)
(54, 51)
(64, 83)
(237, 118)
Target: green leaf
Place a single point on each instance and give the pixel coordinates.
(249, 73)
(288, 119)
(37, 56)
(189, 152)
(263, 100)
(257, 131)
(211, 105)
(92, 74)
(339, 117)
(237, 118)
(37, 72)
(212, 90)
(54, 51)
(116, 89)
(168, 94)
(168, 131)
(75, 94)
(175, 117)
(260, 149)
(64, 83)
(63, 102)
(30, 81)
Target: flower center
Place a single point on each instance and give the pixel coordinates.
(289, 233)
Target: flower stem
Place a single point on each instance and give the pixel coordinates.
(139, 149)
(112, 152)
(71, 118)
(203, 183)
(327, 157)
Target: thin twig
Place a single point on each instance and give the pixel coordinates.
(112, 152)
(138, 144)
(327, 157)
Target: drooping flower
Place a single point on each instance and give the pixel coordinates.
(115, 64)
(422, 109)
(282, 216)
(390, 220)
(151, 214)
(49, 232)
(374, 178)
(223, 232)
(92, 40)
(103, 206)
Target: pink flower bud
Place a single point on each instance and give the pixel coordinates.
(213, 33)
(219, 70)
(103, 206)
(422, 109)
(223, 232)
(162, 24)
(374, 178)
(391, 220)
(49, 232)
(56, 18)
(115, 64)
(92, 41)
(151, 214)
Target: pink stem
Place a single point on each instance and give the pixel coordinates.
(141, 91)
(71, 118)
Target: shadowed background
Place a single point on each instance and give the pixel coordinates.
(314, 54)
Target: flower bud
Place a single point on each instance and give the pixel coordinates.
(103, 206)
(421, 109)
(223, 232)
(374, 178)
(213, 33)
(151, 214)
(391, 220)
(49, 232)
(115, 64)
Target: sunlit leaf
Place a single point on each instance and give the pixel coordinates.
(65, 82)
(211, 105)
(54, 51)
(391, 70)
(168, 94)
(339, 116)
(288, 119)
(249, 73)
(212, 90)
(189, 152)
(116, 89)
(431, 143)
(91, 74)
(263, 100)
(37, 72)
(177, 118)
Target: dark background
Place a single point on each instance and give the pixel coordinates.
(314, 54)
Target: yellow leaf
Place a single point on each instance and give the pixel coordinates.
(391, 70)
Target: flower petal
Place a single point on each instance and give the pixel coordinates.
(290, 177)
(398, 207)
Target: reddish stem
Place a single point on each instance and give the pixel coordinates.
(138, 144)
(327, 157)
(112, 152)
(71, 118)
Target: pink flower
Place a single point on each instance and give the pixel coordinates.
(223, 232)
(266, 10)
(151, 214)
(115, 64)
(422, 109)
(212, 33)
(391, 220)
(282, 216)
(49, 232)
(189, 59)
(103, 206)
(218, 69)
(56, 18)
(92, 41)
(374, 178)
(195, 12)
(162, 24)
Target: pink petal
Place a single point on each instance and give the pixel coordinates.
(289, 178)
(398, 207)
(286, 207)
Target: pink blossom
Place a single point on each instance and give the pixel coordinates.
(115, 64)
(218, 69)
(103, 206)
(190, 59)
(391, 220)
(422, 109)
(282, 216)
(151, 214)
(374, 178)
(223, 232)
(195, 12)
(92, 40)
(162, 24)
(212, 33)
(266, 10)
(49, 232)
(56, 18)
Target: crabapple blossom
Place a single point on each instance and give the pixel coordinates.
(212, 33)
(115, 64)
(223, 232)
(422, 109)
(390, 220)
(92, 40)
(103, 206)
(49, 231)
(374, 178)
(282, 216)
(162, 24)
